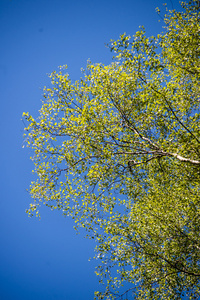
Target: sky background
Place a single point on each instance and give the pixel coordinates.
(44, 259)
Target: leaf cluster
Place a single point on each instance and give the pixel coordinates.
(118, 151)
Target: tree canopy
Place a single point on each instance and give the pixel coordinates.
(119, 151)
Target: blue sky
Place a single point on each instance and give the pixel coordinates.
(45, 259)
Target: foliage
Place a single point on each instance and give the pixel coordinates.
(119, 151)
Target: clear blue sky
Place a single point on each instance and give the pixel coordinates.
(44, 260)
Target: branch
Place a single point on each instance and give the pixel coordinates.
(181, 158)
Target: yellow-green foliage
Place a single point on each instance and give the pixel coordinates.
(119, 151)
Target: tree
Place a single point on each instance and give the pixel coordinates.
(119, 151)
